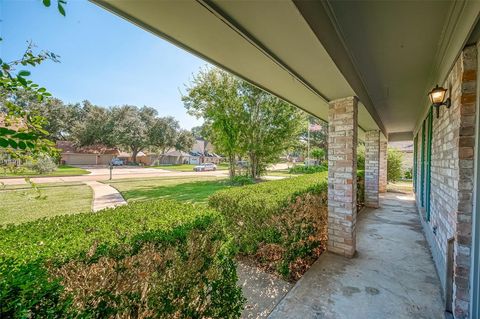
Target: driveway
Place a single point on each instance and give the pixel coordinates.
(103, 174)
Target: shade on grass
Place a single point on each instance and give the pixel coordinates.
(19, 205)
(182, 189)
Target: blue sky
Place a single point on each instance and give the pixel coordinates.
(104, 58)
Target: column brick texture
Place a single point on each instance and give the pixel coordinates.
(372, 168)
(382, 187)
(342, 175)
(452, 174)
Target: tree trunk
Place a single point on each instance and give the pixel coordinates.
(231, 167)
(253, 165)
(134, 155)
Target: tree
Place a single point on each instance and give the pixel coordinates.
(270, 126)
(130, 128)
(163, 133)
(199, 131)
(394, 165)
(22, 132)
(318, 154)
(184, 140)
(93, 125)
(213, 96)
(242, 120)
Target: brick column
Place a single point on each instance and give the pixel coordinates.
(382, 186)
(372, 167)
(342, 176)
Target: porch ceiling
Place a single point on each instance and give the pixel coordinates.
(388, 53)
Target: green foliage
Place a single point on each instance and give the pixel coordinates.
(361, 157)
(394, 165)
(241, 180)
(241, 120)
(318, 154)
(22, 134)
(157, 257)
(301, 169)
(42, 165)
(262, 214)
(408, 174)
(127, 127)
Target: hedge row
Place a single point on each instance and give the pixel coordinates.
(158, 259)
(301, 169)
(281, 225)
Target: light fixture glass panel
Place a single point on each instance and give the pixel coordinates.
(437, 95)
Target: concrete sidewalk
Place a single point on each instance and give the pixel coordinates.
(98, 176)
(392, 275)
(105, 196)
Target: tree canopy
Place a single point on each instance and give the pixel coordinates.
(242, 120)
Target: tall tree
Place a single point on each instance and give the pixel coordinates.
(130, 127)
(213, 96)
(184, 140)
(92, 126)
(271, 126)
(240, 119)
(163, 133)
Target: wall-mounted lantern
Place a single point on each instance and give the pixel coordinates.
(437, 96)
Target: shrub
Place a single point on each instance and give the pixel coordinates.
(300, 169)
(157, 259)
(43, 165)
(318, 154)
(394, 165)
(361, 157)
(408, 174)
(281, 225)
(241, 180)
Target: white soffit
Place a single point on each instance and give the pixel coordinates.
(269, 45)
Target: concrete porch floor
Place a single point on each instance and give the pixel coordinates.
(392, 275)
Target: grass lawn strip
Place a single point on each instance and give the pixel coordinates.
(19, 204)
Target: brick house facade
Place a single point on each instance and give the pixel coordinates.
(444, 182)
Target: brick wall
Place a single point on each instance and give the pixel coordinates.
(342, 176)
(372, 167)
(453, 140)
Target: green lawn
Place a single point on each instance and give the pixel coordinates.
(19, 205)
(62, 170)
(192, 189)
(187, 167)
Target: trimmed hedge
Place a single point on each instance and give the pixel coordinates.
(279, 224)
(301, 169)
(158, 259)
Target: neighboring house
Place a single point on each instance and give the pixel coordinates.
(87, 155)
(126, 157)
(172, 158)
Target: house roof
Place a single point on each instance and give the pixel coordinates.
(177, 153)
(70, 147)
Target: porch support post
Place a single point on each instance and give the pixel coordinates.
(342, 176)
(372, 167)
(382, 187)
